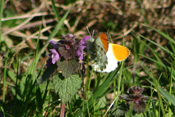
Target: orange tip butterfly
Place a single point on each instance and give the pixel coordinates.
(105, 56)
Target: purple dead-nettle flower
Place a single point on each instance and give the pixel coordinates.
(67, 48)
(55, 56)
(81, 47)
(84, 40)
(65, 57)
(136, 97)
(135, 90)
(70, 38)
(53, 43)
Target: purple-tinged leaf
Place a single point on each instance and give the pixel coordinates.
(47, 73)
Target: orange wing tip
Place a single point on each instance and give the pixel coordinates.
(104, 40)
(120, 52)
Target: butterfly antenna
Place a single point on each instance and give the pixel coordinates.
(93, 33)
(88, 31)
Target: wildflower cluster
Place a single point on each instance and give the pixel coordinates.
(64, 63)
(66, 49)
(135, 97)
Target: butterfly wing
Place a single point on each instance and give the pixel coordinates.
(115, 54)
(99, 58)
(120, 52)
(104, 55)
(102, 41)
(91, 47)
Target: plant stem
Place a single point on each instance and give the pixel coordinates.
(62, 109)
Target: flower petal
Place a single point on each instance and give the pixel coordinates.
(80, 52)
(83, 41)
(55, 56)
(81, 47)
(53, 43)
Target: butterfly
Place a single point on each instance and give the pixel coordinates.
(104, 55)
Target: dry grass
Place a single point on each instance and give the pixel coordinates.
(117, 18)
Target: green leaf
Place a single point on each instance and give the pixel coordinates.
(47, 73)
(66, 87)
(101, 103)
(39, 99)
(12, 75)
(68, 67)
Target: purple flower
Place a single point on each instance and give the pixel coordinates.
(54, 55)
(136, 97)
(80, 52)
(67, 48)
(69, 38)
(84, 40)
(81, 47)
(66, 56)
(53, 43)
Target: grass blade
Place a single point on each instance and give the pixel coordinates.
(156, 84)
(163, 48)
(163, 34)
(54, 32)
(1, 11)
(56, 14)
(167, 95)
(100, 91)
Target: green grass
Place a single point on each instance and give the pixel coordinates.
(150, 65)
